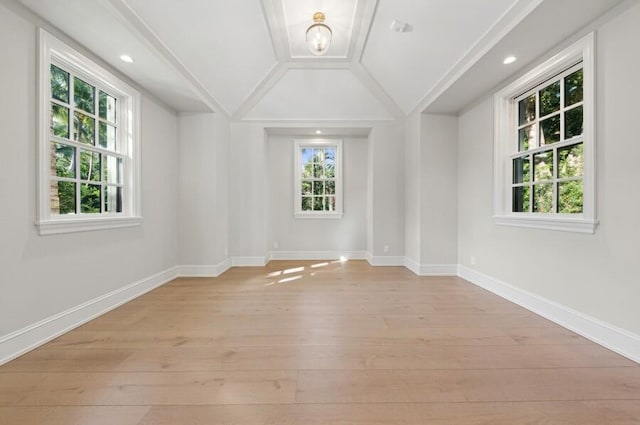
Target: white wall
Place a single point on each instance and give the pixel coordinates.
(374, 196)
(346, 234)
(386, 141)
(438, 190)
(247, 185)
(593, 274)
(203, 188)
(431, 192)
(44, 275)
(412, 187)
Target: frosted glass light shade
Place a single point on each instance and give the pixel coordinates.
(318, 35)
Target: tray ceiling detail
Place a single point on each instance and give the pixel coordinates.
(248, 59)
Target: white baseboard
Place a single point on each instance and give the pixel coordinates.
(619, 340)
(318, 255)
(382, 260)
(430, 269)
(249, 261)
(204, 271)
(26, 339)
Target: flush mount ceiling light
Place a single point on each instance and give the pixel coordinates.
(126, 58)
(509, 59)
(318, 35)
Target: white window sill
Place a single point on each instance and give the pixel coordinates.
(71, 225)
(566, 224)
(319, 215)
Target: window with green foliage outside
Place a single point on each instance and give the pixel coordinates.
(86, 172)
(548, 166)
(318, 178)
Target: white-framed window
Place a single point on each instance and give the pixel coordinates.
(88, 144)
(544, 147)
(318, 178)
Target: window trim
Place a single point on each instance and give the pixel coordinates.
(297, 208)
(504, 133)
(52, 50)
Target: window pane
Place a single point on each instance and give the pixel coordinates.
(59, 84)
(107, 136)
(543, 198)
(330, 203)
(59, 121)
(63, 161)
(306, 188)
(521, 196)
(90, 198)
(573, 88)
(90, 166)
(113, 170)
(318, 188)
(330, 187)
(543, 166)
(527, 138)
(330, 170)
(83, 95)
(527, 110)
(307, 203)
(550, 99)
(318, 155)
(571, 161)
(317, 171)
(570, 197)
(306, 155)
(522, 169)
(107, 107)
(573, 122)
(318, 204)
(550, 130)
(63, 197)
(330, 155)
(83, 128)
(113, 199)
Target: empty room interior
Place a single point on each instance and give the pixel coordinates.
(319, 212)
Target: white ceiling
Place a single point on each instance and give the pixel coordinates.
(319, 94)
(408, 64)
(248, 59)
(225, 44)
(98, 26)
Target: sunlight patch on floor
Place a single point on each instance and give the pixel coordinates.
(290, 279)
(293, 270)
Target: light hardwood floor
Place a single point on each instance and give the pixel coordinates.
(320, 343)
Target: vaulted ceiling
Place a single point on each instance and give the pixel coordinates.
(248, 58)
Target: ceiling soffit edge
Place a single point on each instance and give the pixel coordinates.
(150, 37)
(507, 22)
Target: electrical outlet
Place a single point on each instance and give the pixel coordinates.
(386, 248)
(472, 260)
(275, 245)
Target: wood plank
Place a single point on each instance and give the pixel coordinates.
(329, 357)
(75, 415)
(143, 389)
(136, 339)
(624, 412)
(400, 386)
